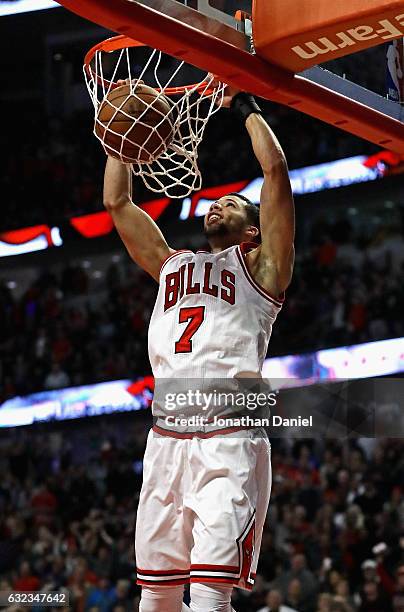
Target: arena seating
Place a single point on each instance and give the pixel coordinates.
(65, 331)
(68, 498)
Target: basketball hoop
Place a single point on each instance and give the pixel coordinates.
(175, 171)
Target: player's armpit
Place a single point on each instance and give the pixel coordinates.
(265, 272)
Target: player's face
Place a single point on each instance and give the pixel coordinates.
(226, 216)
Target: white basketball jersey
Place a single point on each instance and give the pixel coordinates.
(211, 319)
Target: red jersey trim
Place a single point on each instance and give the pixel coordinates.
(167, 259)
(197, 434)
(242, 250)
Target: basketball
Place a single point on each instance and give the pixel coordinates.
(135, 127)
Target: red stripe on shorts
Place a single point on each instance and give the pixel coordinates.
(161, 572)
(216, 568)
(214, 579)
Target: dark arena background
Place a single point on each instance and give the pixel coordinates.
(75, 380)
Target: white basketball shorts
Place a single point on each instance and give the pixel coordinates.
(202, 509)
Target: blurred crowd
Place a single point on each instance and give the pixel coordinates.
(67, 510)
(345, 290)
(64, 330)
(333, 539)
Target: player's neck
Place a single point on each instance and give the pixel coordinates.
(216, 246)
(217, 249)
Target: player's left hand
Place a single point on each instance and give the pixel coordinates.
(128, 82)
(229, 93)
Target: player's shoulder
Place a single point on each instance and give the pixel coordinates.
(174, 255)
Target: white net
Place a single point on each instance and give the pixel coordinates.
(164, 131)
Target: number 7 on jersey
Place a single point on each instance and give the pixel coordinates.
(194, 316)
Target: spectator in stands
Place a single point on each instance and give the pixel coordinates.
(121, 596)
(324, 602)
(369, 570)
(43, 505)
(26, 580)
(373, 600)
(295, 598)
(274, 603)
(299, 584)
(100, 596)
(57, 378)
(398, 595)
(343, 593)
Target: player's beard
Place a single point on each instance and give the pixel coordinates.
(219, 229)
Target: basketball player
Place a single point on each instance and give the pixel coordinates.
(205, 495)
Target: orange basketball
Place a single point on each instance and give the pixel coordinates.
(137, 127)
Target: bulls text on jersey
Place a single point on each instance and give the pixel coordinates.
(183, 282)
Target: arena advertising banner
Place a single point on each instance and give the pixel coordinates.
(11, 7)
(29, 240)
(321, 380)
(312, 179)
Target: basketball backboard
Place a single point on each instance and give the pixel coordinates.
(224, 11)
(219, 18)
(216, 36)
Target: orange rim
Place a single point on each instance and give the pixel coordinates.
(117, 43)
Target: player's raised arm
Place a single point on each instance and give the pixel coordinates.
(277, 213)
(140, 234)
(272, 262)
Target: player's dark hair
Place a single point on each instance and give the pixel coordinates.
(253, 214)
